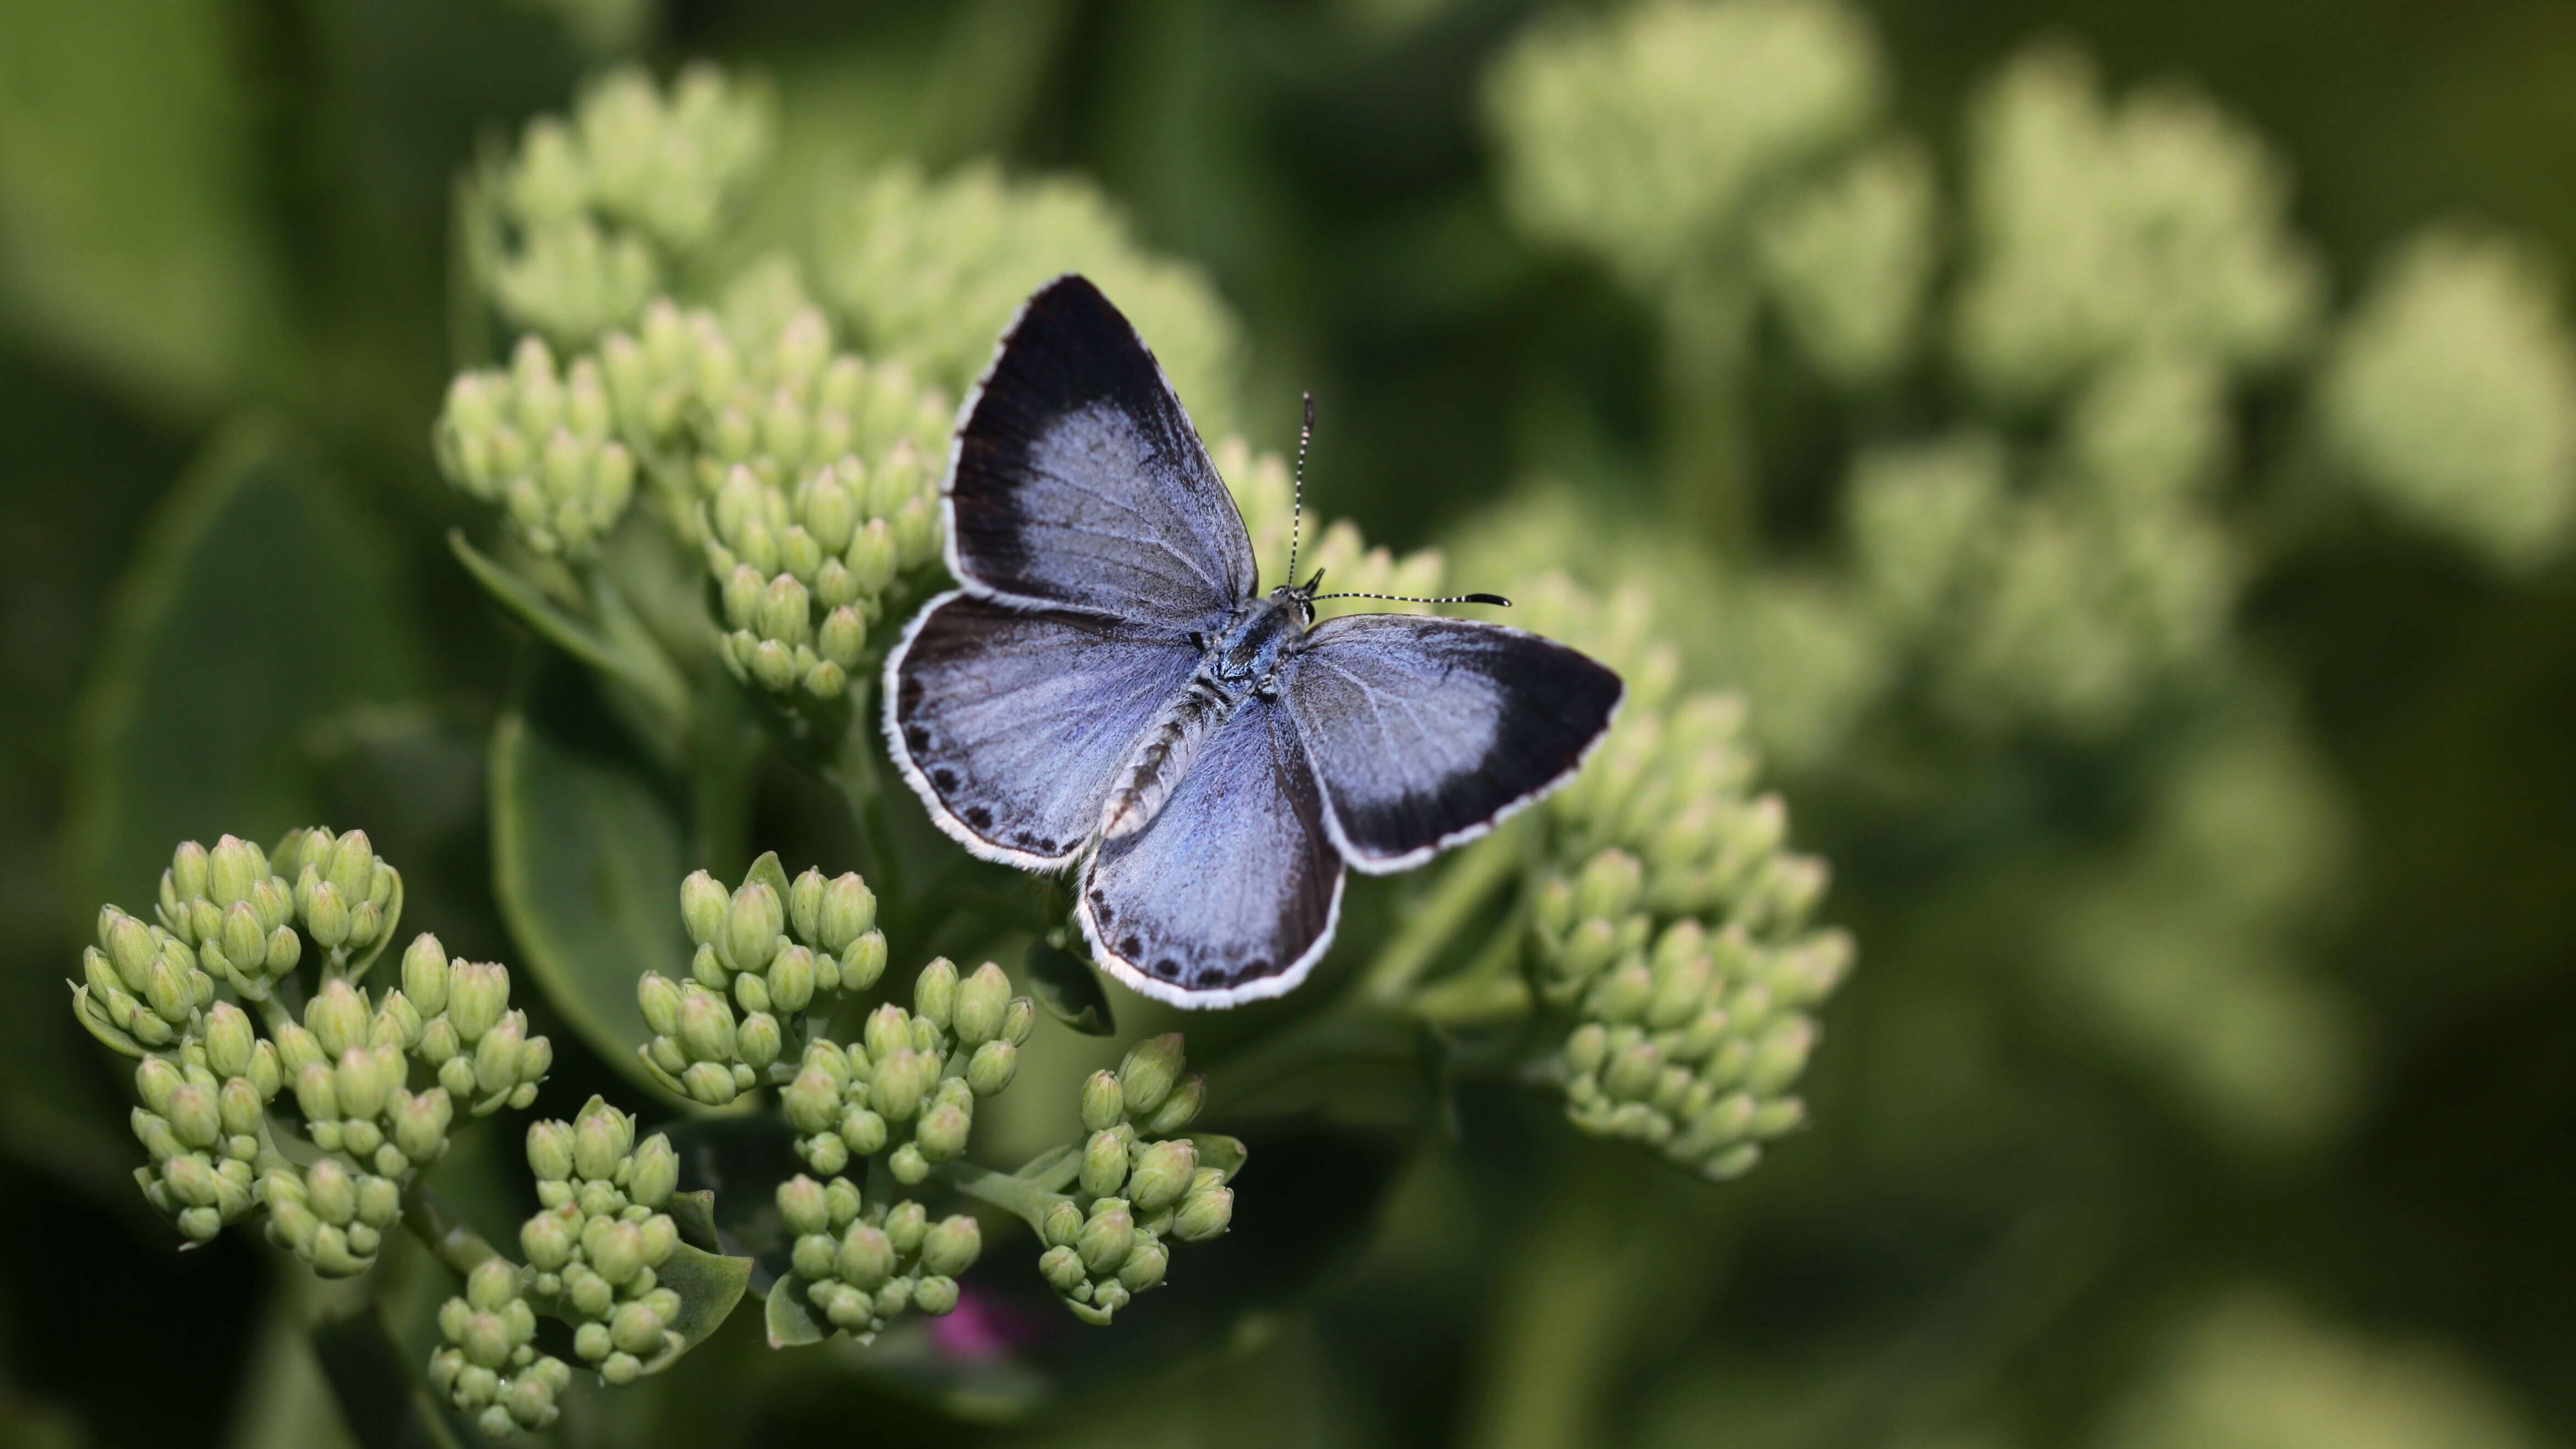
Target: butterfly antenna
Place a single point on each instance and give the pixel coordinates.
(1496, 600)
(1297, 494)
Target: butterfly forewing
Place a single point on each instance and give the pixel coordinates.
(1078, 481)
(1010, 724)
(1425, 731)
(1231, 892)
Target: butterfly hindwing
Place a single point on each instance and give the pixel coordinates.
(1230, 894)
(1425, 731)
(1078, 481)
(1009, 724)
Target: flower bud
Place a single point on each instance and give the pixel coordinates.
(316, 1093)
(397, 1023)
(379, 1201)
(167, 989)
(803, 1207)
(887, 1028)
(194, 1117)
(656, 1172)
(477, 993)
(863, 961)
(350, 866)
(758, 1041)
(1780, 1056)
(232, 867)
(330, 1192)
(1062, 1267)
(753, 920)
(981, 1000)
(1152, 1066)
(1103, 1104)
(615, 1251)
(706, 1026)
(438, 1043)
(155, 1078)
(941, 1134)
(792, 980)
(659, 995)
(601, 1138)
(546, 1241)
(812, 1102)
(991, 1068)
(846, 911)
(1181, 1108)
(702, 907)
(636, 1329)
(498, 1055)
(711, 1083)
(365, 1077)
(238, 1104)
(1162, 1174)
(1203, 1214)
(866, 1257)
(1018, 1020)
(550, 1150)
(1107, 1237)
(1144, 1266)
(267, 1072)
(188, 871)
(1104, 1164)
(863, 1131)
(338, 1018)
(934, 993)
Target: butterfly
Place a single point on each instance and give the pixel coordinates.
(1109, 688)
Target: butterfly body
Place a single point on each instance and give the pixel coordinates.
(1109, 689)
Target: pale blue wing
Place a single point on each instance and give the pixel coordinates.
(1230, 894)
(1425, 731)
(1078, 482)
(1010, 724)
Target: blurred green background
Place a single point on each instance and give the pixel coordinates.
(2322, 1203)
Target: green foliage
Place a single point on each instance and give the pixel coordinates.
(2133, 598)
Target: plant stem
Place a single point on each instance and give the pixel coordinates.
(1431, 924)
(1018, 1196)
(461, 1248)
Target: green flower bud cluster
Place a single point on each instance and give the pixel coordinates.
(930, 272)
(1669, 919)
(1138, 1185)
(1848, 258)
(2450, 398)
(536, 441)
(598, 206)
(803, 576)
(908, 1087)
(228, 914)
(1263, 490)
(861, 1265)
(1641, 137)
(348, 1065)
(2096, 229)
(488, 1366)
(203, 1120)
(2067, 607)
(776, 955)
(600, 1236)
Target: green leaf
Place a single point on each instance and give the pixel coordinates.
(709, 1285)
(383, 1405)
(587, 854)
(137, 239)
(769, 870)
(551, 621)
(94, 1017)
(1063, 983)
(1225, 1154)
(1054, 1168)
(790, 1314)
(694, 1213)
(258, 602)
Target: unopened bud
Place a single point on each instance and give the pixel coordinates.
(934, 993)
(1203, 1214)
(991, 1068)
(1103, 1103)
(1181, 1108)
(702, 907)
(1162, 1173)
(1152, 1066)
(478, 992)
(1104, 1164)
(863, 961)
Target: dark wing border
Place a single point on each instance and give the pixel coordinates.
(1368, 864)
(1187, 429)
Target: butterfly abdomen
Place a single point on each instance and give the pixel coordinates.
(1164, 756)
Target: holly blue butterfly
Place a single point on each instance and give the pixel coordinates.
(1109, 688)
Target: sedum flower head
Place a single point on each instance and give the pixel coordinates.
(1641, 137)
(1670, 921)
(862, 1265)
(597, 206)
(930, 271)
(599, 1237)
(1138, 1185)
(487, 1365)
(1847, 259)
(773, 957)
(2094, 228)
(906, 1088)
(537, 442)
(2451, 397)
